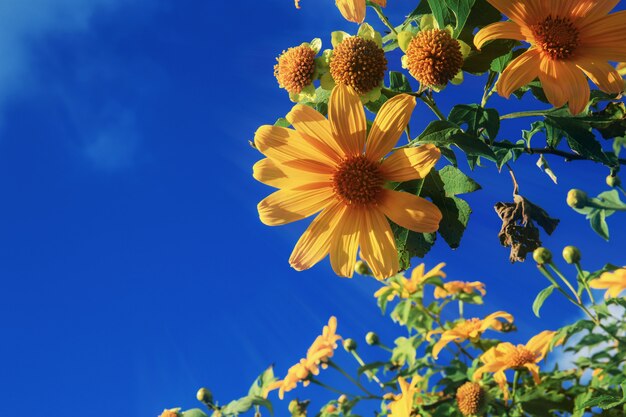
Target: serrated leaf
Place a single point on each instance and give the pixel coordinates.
(456, 182)
(476, 118)
(578, 136)
(398, 82)
(461, 10)
(439, 133)
(473, 146)
(440, 11)
(541, 298)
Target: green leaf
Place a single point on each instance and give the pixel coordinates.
(472, 145)
(398, 82)
(579, 137)
(194, 412)
(456, 182)
(476, 118)
(405, 351)
(479, 62)
(597, 220)
(262, 382)
(541, 298)
(282, 122)
(461, 10)
(440, 11)
(439, 133)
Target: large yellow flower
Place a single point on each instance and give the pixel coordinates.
(469, 329)
(333, 166)
(456, 287)
(354, 10)
(317, 355)
(508, 356)
(402, 404)
(568, 40)
(404, 287)
(614, 282)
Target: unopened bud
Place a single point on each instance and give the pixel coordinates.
(170, 413)
(330, 409)
(571, 254)
(404, 39)
(204, 396)
(349, 345)
(542, 256)
(613, 181)
(361, 268)
(371, 338)
(577, 198)
(343, 398)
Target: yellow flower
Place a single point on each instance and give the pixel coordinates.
(317, 355)
(170, 413)
(406, 287)
(333, 166)
(508, 356)
(469, 329)
(568, 40)
(470, 398)
(297, 3)
(434, 57)
(402, 404)
(456, 287)
(354, 10)
(614, 282)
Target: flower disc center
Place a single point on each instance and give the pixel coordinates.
(556, 36)
(521, 357)
(358, 181)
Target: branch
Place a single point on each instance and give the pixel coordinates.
(551, 151)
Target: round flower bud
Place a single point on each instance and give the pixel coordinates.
(295, 68)
(571, 254)
(343, 398)
(371, 338)
(434, 57)
(204, 396)
(170, 413)
(576, 198)
(361, 268)
(542, 256)
(358, 63)
(330, 408)
(613, 181)
(471, 399)
(349, 345)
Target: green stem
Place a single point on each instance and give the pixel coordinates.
(349, 377)
(529, 113)
(565, 281)
(369, 373)
(383, 18)
(550, 278)
(488, 88)
(328, 387)
(582, 279)
(619, 187)
(460, 308)
(433, 106)
(515, 384)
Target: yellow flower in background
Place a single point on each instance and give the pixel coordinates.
(354, 10)
(335, 167)
(406, 287)
(318, 354)
(614, 283)
(297, 3)
(506, 356)
(173, 412)
(470, 329)
(402, 404)
(456, 287)
(568, 40)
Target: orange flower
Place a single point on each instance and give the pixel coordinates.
(508, 356)
(614, 282)
(568, 40)
(317, 355)
(403, 402)
(469, 329)
(333, 166)
(406, 287)
(170, 413)
(354, 10)
(456, 287)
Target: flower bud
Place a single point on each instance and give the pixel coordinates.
(613, 181)
(576, 198)
(330, 408)
(349, 345)
(361, 268)
(404, 39)
(204, 396)
(542, 256)
(571, 254)
(343, 398)
(170, 413)
(371, 338)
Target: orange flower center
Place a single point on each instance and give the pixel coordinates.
(358, 180)
(470, 326)
(556, 36)
(295, 68)
(521, 357)
(434, 57)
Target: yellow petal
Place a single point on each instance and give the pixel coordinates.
(310, 122)
(378, 246)
(519, 72)
(286, 206)
(410, 163)
(602, 74)
(352, 10)
(314, 243)
(522, 12)
(551, 76)
(347, 119)
(280, 176)
(410, 211)
(592, 9)
(576, 88)
(345, 242)
(390, 122)
(499, 30)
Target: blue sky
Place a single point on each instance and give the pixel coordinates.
(133, 266)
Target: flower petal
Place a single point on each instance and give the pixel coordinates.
(390, 122)
(410, 211)
(288, 147)
(352, 10)
(519, 72)
(499, 30)
(345, 242)
(347, 119)
(410, 163)
(286, 206)
(591, 9)
(576, 88)
(522, 12)
(279, 176)
(603, 75)
(378, 245)
(309, 122)
(381, 3)
(314, 243)
(550, 75)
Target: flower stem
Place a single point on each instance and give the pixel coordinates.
(565, 281)
(328, 387)
(349, 377)
(383, 18)
(529, 113)
(432, 105)
(581, 276)
(368, 372)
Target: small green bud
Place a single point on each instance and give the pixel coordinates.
(577, 198)
(361, 268)
(349, 345)
(404, 39)
(371, 338)
(343, 398)
(204, 396)
(542, 256)
(571, 254)
(613, 181)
